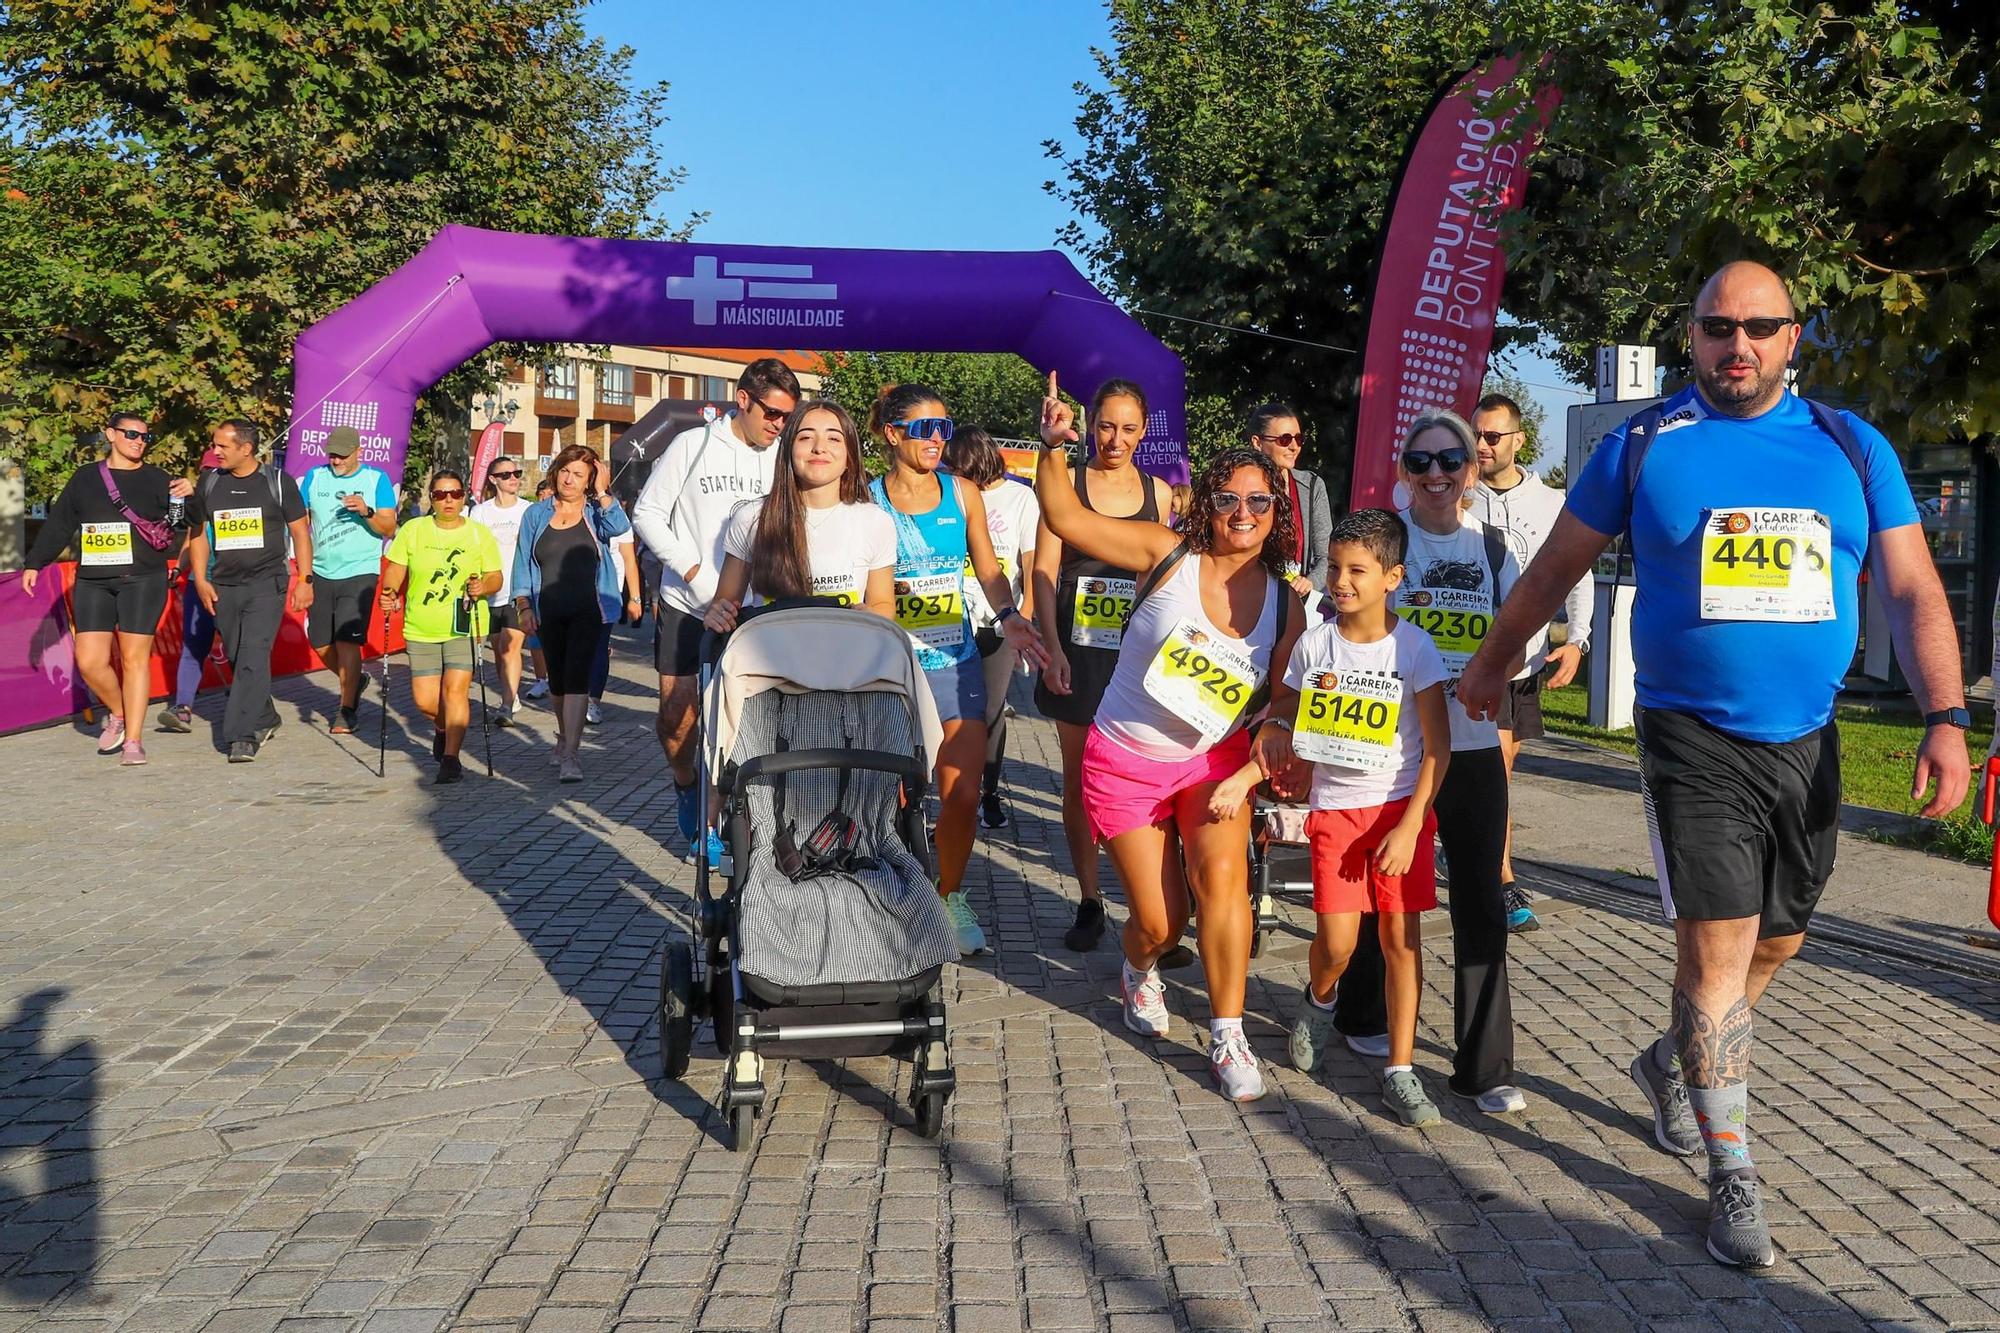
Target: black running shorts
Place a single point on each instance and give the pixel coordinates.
(1739, 828)
(1521, 708)
(131, 604)
(676, 641)
(341, 610)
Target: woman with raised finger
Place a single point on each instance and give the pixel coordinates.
(1215, 628)
(1083, 605)
(940, 527)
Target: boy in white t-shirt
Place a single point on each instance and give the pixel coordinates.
(1371, 720)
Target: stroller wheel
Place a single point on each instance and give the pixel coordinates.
(742, 1124)
(930, 1114)
(676, 999)
(1257, 942)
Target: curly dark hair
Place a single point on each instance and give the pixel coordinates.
(1198, 527)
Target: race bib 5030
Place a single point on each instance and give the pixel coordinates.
(1766, 564)
(1102, 607)
(1348, 718)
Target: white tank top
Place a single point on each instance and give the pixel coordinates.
(1136, 717)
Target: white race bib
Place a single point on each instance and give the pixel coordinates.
(1202, 680)
(1766, 564)
(1102, 608)
(105, 544)
(239, 529)
(1348, 718)
(931, 609)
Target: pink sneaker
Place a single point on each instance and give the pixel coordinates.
(135, 754)
(112, 739)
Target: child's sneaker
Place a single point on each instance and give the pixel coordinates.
(1312, 1033)
(1404, 1094)
(1146, 1004)
(1234, 1067)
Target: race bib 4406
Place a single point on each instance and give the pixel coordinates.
(1202, 680)
(1766, 564)
(1348, 718)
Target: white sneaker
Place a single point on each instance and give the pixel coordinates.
(1375, 1048)
(1235, 1069)
(591, 715)
(1145, 1005)
(971, 939)
(1503, 1100)
(537, 691)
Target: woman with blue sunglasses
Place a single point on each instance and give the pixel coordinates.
(940, 527)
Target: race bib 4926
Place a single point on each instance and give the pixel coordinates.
(1766, 564)
(1202, 680)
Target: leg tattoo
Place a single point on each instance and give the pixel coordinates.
(1715, 1060)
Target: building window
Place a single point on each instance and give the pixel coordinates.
(715, 389)
(677, 387)
(559, 380)
(614, 384)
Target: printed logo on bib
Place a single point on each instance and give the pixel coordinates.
(931, 609)
(239, 529)
(1349, 719)
(1102, 608)
(976, 595)
(1201, 680)
(844, 588)
(105, 544)
(1456, 620)
(1766, 564)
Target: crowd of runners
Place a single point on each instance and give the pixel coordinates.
(1200, 652)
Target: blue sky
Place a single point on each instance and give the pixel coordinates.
(883, 123)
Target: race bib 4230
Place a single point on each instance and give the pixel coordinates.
(931, 609)
(1202, 680)
(1102, 608)
(1766, 564)
(1456, 621)
(1348, 718)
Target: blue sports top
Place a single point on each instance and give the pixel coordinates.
(930, 568)
(1758, 679)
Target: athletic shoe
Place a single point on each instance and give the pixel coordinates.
(1737, 1235)
(1146, 1007)
(176, 718)
(133, 753)
(264, 734)
(343, 721)
(503, 716)
(687, 811)
(711, 845)
(1312, 1033)
(449, 770)
(1088, 928)
(1234, 1068)
(992, 810)
(1404, 1094)
(1503, 1100)
(1176, 958)
(111, 736)
(971, 939)
(592, 715)
(1674, 1128)
(1520, 916)
(537, 691)
(242, 752)
(1375, 1047)
(569, 770)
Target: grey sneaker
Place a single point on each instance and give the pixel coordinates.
(1404, 1094)
(1312, 1033)
(176, 717)
(1674, 1128)
(1737, 1235)
(242, 752)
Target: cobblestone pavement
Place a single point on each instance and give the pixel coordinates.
(283, 1046)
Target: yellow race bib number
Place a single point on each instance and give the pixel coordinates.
(1101, 609)
(105, 544)
(931, 609)
(1767, 564)
(1349, 720)
(1202, 680)
(239, 530)
(1454, 632)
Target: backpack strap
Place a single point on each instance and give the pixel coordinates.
(1640, 433)
(1260, 699)
(1495, 541)
(1833, 423)
(275, 480)
(1156, 578)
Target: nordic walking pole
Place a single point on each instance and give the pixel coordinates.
(382, 745)
(479, 670)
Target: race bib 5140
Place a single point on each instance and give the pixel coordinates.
(1102, 608)
(1202, 680)
(239, 529)
(931, 609)
(1766, 564)
(1348, 718)
(105, 544)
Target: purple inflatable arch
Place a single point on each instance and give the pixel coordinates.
(365, 364)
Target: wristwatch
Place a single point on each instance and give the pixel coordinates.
(1950, 717)
(368, 513)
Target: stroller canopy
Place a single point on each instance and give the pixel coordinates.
(808, 648)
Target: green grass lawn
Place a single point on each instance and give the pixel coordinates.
(1877, 750)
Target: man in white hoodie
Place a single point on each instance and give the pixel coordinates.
(1515, 501)
(704, 474)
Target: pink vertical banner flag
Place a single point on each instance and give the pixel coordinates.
(482, 459)
(1437, 287)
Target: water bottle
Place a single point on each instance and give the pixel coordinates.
(176, 512)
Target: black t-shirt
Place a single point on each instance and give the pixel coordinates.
(108, 546)
(246, 524)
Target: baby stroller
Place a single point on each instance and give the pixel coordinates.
(822, 934)
(1280, 861)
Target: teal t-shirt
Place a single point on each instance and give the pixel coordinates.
(343, 543)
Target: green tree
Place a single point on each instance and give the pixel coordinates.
(184, 187)
(999, 391)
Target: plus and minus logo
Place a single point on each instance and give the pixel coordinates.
(707, 289)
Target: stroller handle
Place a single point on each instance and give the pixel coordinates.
(711, 644)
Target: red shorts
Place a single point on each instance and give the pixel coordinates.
(1123, 791)
(1343, 869)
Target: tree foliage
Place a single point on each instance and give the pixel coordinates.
(186, 186)
(998, 391)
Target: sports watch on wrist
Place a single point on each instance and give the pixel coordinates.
(1950, 717)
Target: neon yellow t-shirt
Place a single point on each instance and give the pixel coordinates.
(440, 560)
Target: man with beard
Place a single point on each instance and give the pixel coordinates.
(1750, 516)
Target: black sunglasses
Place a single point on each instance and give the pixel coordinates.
(131, 434)
(771, 414)
(503, 476)
(1759, 327)
(1285, 441)
(1492, 438)
(1418, 461)
(447, 495)
(1259, 502)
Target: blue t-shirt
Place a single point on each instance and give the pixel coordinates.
(343, 543)
(1765, 681)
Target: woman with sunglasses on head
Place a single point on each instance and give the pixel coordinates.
(117, 512)
(502, 513)
(1274, 431)
(1084, 603)
(1215, 629)
(439, 571)
(568, 584)
(941, 527)
(1457, 573)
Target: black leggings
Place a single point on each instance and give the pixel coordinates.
(569, 643)
(1472, 825)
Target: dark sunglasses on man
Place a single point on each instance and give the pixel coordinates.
(771, 414)
(1759, 327)
(1491, 438)
(1418, 461)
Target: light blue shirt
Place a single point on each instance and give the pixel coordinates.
(343, 544)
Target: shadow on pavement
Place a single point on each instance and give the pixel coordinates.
(48, 1173)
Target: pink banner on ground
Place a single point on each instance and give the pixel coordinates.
(1437, 288)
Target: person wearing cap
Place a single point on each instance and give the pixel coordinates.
(353, 512)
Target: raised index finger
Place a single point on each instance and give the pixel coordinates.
(1052, 385)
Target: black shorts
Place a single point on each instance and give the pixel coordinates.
(341, 610)
(504, 616)
(1739, 828)
(130, 605)
(676, 641)
(1521, 708)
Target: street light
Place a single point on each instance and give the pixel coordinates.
(495, 410)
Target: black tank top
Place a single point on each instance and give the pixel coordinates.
(1075, 564)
